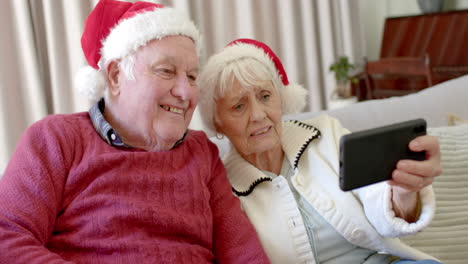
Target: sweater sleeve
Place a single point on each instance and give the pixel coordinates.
(377, 204)
(378, 207)
(30, 194)
(234, 238)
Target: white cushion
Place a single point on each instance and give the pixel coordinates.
(433, 104)
(447, 236)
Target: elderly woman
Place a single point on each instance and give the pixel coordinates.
(126, 182)
(286, 173)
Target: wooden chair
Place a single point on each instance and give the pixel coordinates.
(401, 69)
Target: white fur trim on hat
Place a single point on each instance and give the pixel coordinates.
(90, 83)
(293, 98)
(241, 50)
(137, 31)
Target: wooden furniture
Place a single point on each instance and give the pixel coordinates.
(393, 69)
(443, 36)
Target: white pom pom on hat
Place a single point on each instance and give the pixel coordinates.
(293, 98)
(114, 29)
(90, 83)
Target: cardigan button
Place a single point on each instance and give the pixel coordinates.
(325, 204)
(357, 234)
(328, 205)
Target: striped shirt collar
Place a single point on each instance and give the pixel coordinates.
(105, 130)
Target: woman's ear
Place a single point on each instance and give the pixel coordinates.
(113, 80)
(218, 127)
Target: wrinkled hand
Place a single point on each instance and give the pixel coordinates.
(411, 176)
(414, 175)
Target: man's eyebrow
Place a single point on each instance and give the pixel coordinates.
(162, 60)
(172, 60)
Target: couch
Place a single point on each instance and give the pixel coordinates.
(447, 236)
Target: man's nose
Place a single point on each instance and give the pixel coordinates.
(184, 88)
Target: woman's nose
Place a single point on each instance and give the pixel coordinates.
(257, 111)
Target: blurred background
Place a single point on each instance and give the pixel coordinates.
(40, 47)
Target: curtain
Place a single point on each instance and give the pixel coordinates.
(40, 49)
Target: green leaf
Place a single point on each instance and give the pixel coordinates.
(341, 69)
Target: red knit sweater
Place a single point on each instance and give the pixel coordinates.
(68, 195)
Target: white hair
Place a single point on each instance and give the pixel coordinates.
(126, 65)
(215, 82)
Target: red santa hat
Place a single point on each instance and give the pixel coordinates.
(293, 96)
(115, 29)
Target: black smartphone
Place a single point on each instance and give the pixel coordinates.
(370, 156)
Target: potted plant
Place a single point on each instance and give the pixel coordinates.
(342, 70)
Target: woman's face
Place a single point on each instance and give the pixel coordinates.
(250, 117)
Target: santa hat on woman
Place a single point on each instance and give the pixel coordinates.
(293, 96)
(115, 29)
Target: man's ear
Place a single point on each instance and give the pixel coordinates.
(113, 80)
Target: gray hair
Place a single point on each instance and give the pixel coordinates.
(215, 82)
(126, 64)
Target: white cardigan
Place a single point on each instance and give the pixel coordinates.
(364, 217)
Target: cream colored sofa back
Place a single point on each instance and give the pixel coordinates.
(433, 104)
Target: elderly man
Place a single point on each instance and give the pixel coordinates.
(126, 182)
